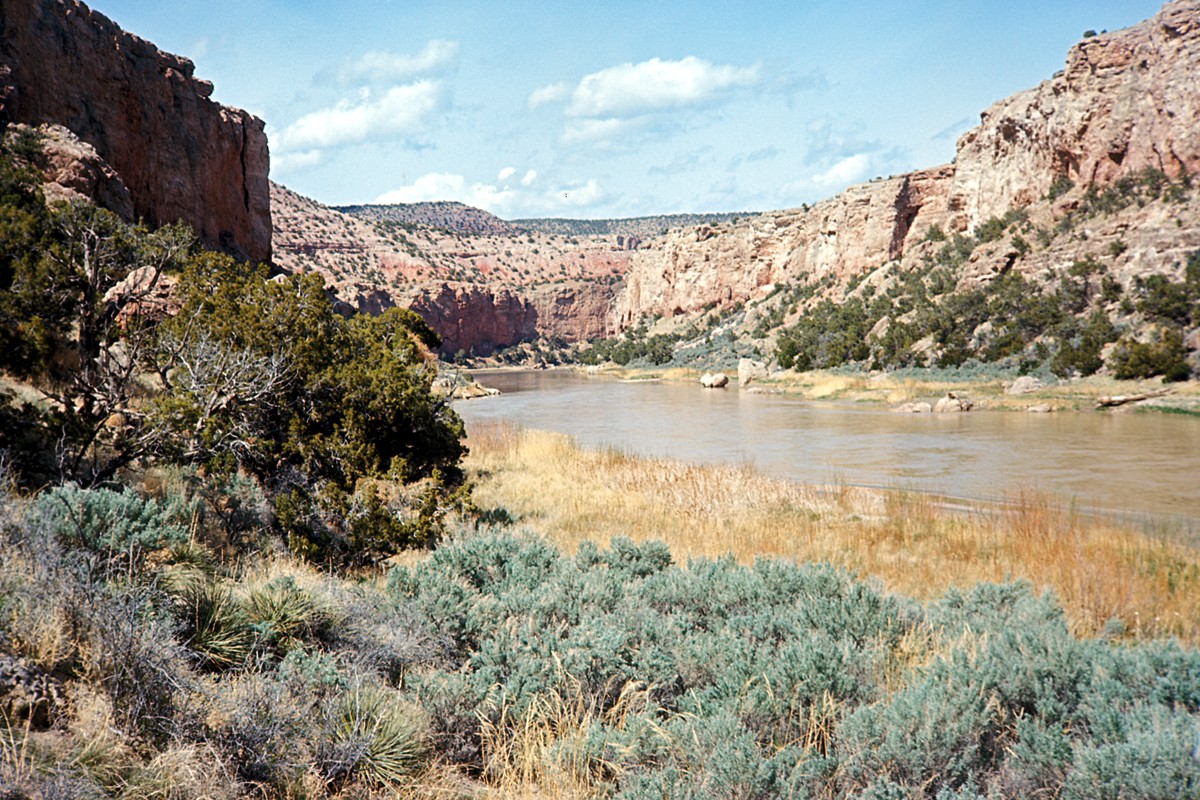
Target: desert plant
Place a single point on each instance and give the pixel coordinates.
(283, 616)
(371, 735)
(114, 526)
(216, 628)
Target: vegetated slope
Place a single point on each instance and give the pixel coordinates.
(637, 227)
(486, 287)
(447, 215)
(505, 664)
(1074, 198)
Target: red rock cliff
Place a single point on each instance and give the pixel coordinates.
(1125, 101)
(182, 156)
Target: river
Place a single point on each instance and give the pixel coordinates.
(1142, 465)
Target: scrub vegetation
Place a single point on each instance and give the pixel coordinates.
(241, 556)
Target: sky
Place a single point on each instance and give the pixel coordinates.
(614, 108)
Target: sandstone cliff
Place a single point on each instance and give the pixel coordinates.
(480, 282)
(179, 155)
(1126, 101)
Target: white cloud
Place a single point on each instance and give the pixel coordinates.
(529, 177)
(500, 200)
(576, 195)
(590, 130)
(383, 67)
(295, 162)
(447, 186)
(506, 173)
(848, 170)
(553, 93)
(629, 90)
(400, 111)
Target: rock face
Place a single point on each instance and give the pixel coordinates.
(860, 229)
(479, 320)
(475, 319)
(180, 156)
(1126, 101)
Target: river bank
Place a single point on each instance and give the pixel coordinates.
(1108, 575)
(990, 392)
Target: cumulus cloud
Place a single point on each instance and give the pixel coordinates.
(579, 195)
(628, 90)
(399, 111)
(383, 67)
(445, 186)
(499, 199)
(629, 98)
(554, 93)
(590, 130)
(506, 173)
(295, 162)
(847, 170)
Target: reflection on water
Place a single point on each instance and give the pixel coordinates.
(1139, 463)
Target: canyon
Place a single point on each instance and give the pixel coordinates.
(1124, 103)
(137, 132)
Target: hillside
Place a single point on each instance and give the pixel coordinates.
(1075, 195)
(1077, 192)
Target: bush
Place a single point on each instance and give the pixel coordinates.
(115, 526)
(1163, 356)
(372, 737)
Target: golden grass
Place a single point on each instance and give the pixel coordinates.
(1098, 569)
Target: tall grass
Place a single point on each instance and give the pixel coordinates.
(1104, 572)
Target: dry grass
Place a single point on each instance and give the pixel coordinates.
(542, 752)
(1099, 569)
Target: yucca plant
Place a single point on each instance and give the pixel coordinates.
(283, 615)
(216, 627)
(372, 736)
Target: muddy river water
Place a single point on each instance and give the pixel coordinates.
(1144, 465)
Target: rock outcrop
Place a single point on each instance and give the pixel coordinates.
(474, 319)
(180, 155)
(1126, 101)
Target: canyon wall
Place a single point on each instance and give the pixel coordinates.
(180, 155)
(480, 320)
(1126, 101)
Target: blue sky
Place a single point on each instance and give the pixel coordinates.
(616, 108)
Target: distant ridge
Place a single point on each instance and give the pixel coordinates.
(445, 215)
(457, 217)
(633, 226)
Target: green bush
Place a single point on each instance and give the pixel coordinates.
(113, 525)
(1163, 356)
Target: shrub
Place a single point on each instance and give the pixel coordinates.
(283, 616)
(1164, 356)
(216, 627)
(110, 524)
(371, 736)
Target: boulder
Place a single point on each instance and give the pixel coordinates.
(913, 408)
(1024, 385)
(750, 370)
(953, 403)
(717, 380)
